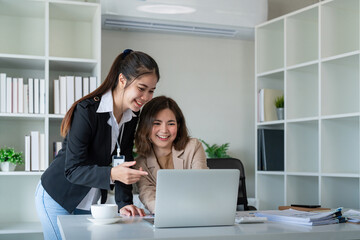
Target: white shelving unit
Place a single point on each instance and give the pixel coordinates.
(313, 56)
(41, 39)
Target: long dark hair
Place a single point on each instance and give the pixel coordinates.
(132, 64)
(147, 117)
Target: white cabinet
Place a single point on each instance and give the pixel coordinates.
(41, 39)
(313, 56)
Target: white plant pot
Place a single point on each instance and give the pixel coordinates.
(7, 166)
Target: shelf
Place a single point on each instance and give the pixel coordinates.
(23, 116)
(274, 80)
(277, 123)
(40, 39)
(340, 77)
(22, 207)
(22, 27)
(74, 30)
(270, 46)
(302, 144)
(340, 192)
(339, 27)
(270, 197)
(318, 67)
(302, 37)
(20, 173)
(72, 65)
(302, 190)
(340, 145)
(302, 99)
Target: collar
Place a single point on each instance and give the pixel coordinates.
(178, 161)
(106, 105)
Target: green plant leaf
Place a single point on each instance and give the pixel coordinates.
(279, 102)
(216, 151)
(9, 155)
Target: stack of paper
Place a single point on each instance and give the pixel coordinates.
(352, 216)
(302, 217)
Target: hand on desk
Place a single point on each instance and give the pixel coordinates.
(131, 210)
(125, 174)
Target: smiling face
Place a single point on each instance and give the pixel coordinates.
(139, 92)
(164, 130)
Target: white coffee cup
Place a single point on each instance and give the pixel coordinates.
(103, 211)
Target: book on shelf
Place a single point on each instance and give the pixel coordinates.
(62, 80)
(3, 92)
(42, 96)
(42, 162)
(85, 86)
(70, 95)
(266, 104)
(26, 98)
(35, 150)
(302, 217)
(93, 84)
(8, 95)
(270, 149)
(36, 95)
(31, 94)
(20, 95)
(78, 88)
(14, 95)
(56, 96)
(35, 159)
(27, 153)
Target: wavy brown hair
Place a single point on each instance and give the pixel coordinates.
(147, 117)
(132, 64)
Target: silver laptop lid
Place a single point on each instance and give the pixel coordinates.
(204, 197)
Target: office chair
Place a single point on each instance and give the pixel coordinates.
(233, 163)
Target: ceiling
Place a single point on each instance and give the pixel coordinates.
(229, 15)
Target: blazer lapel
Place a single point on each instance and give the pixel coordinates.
(153, 165)
(178, 161)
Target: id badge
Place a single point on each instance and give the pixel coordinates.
(117, 160)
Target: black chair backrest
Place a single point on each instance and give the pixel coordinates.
(232, 163)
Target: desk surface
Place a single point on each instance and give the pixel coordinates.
(74, 227)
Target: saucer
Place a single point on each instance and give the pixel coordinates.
(104, 221)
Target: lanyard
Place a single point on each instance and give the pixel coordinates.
(117, 142)
(121, 135)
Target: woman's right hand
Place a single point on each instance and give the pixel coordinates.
(125, 174)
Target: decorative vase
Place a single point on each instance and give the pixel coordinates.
(280, 113)
(7, 166)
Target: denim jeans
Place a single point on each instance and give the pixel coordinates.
(48, 210)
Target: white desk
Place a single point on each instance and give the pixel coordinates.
(74, 227)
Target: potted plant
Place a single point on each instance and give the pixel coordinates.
(279, 104)
(10, 159)
(216, 151)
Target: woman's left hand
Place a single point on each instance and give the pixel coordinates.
(131, 210)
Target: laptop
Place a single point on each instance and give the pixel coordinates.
(194, 198)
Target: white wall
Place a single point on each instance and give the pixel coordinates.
(212, 80)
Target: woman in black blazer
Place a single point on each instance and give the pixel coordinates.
(97, 127)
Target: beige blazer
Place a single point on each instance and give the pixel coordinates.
(192, 157)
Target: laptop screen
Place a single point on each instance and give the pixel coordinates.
(187, 198)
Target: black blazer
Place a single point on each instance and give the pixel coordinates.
(84, 160)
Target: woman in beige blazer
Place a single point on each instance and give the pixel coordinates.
(163, 142)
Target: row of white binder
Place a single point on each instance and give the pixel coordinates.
(18, 95)
(68, 89)
(21, 95)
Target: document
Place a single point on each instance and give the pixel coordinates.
(352, 216)
(302, 217)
